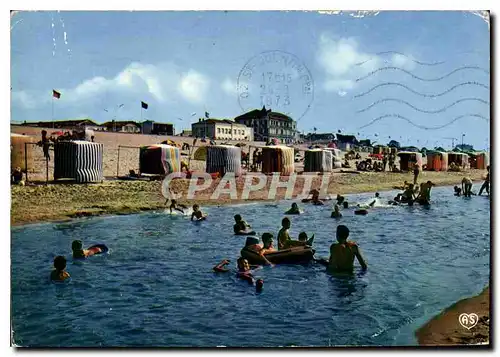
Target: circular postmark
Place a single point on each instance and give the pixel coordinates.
(277, 80)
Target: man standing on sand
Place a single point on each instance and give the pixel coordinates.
(384, 162)
(416, 172)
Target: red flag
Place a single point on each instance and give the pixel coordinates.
(56, 94)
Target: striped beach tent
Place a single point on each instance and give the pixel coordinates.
(223, 159)
(278, 159)
(159, 159)
(78, 160)
(318, 160)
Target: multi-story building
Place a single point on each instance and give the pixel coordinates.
(267, 124)
(221, 129)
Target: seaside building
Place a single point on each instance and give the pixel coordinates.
(65, 124)
(151, 127)
(221, 129)
(346, 142)
(122, 126)
(267, 124)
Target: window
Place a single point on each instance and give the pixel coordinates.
(218, 130)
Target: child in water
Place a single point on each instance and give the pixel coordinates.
(336, 212)
(294, 209)
(284, 240)
(79, 252)
(458, 191)
(244, 272)
(198, 214)
(59, 274)
(240, 227)
(342, 254)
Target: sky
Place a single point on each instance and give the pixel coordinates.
(421, 78)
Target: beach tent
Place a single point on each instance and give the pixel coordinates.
(481, 161)
(223, 159)
(17, 147)
(318, 160)
(336, 158)
(437, 161)
(159, 159)
(200, 153)
(408, 159)
(278, 159)
(458, 158)
(79, 160)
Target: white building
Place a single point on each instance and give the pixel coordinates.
(221, 129)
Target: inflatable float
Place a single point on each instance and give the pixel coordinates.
(361, 212)
(245, 233)
(96, 249)
(295, 255)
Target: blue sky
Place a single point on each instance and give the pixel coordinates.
(183, 63)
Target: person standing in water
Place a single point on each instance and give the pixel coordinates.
(342, 254)
(486, 184)
(467, 186)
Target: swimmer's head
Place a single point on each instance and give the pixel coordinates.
(285, 222)
(267, 239)
(303, 236)
(77, 245)
(377, 194)
(342, 232)
(237, 217)
(196, 207)
(174, 202)
(60, 262)
(294, 205)
(259, 285)
(346, 204)
(243, 264)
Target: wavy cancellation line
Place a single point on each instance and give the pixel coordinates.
(422, 94)
(422, 126)
(414, 60)
(422, 110)
(420, 78)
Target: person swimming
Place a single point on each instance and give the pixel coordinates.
(240, 227)
(377, 196)
(173, 206)
(345, 204)
(59, 273)
(336, 212)
(342, 254)
(294, 209)
(284, 239)
(199, 215)
(79, 252)
(244, 272)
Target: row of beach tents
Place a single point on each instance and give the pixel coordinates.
(82, 161)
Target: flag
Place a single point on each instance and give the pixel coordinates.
(207, 115)
(56, 94)
(144, 105)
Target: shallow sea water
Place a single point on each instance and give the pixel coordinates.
(156, 286)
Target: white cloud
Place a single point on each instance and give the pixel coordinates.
(159, 81)
(193, 86)
(405, 62)
(229, 87)
(344, 62)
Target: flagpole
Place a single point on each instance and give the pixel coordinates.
(141, 118)
(53, 123)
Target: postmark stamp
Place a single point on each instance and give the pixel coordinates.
(278, 80)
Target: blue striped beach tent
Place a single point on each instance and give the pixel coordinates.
(81, 161)
(160, 159)
(318, 160)
(223, 159)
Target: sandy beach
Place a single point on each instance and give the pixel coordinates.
(37, 202)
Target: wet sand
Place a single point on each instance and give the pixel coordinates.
(445, 329)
